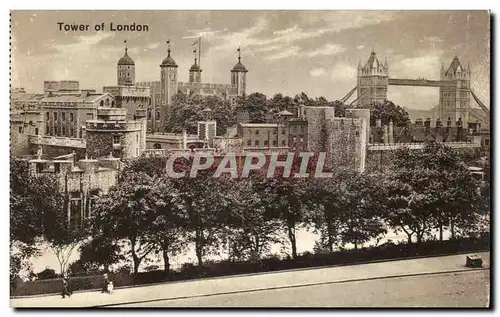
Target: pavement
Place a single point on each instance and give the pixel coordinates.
(363, 280)
(461, 289)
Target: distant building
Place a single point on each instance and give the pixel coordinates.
(82, 181)
(127, 95)
(112, 133)
(163, 91)
(373, 79)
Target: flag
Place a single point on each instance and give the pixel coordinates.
(197, 41)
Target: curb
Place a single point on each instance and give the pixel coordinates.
(289, 286)
(258, 273)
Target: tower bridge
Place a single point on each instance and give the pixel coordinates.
(455, 102)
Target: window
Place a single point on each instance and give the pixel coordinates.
(275, 143)
(157, 115)
(266, 143)
(46, 129)
(63, 115)
(249, 142)
(63, 130)
(48, 116)
(282, 131)
(256, 131)
(283, 142)
(116, 139)
(90, 116)
(55, 116)
(71, 117)
(257, 142)
(149, 114)
(20, 129)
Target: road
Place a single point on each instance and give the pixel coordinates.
(326, 283)
(464, 289)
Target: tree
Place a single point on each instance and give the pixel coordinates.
(167, 229)
(36, 210)
(253, 230)
(126, 213)
(205, 202)
(184, 114)
(95, 254)
(256, 106)
(387, 111)
(221, 111)
(284, 199)
(431, 188)
(344, 209)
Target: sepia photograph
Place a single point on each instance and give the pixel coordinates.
(250, 159)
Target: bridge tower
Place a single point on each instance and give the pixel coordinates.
(454, 100)
(373, 79)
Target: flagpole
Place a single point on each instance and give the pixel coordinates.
(199, 51)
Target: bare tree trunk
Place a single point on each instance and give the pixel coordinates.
(293, 242)
(452, 228)
(440, 229)
(330, 237)
(166, 259)
(199, 245)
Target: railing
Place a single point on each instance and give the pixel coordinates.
(57, 141)
(417, 146)
(113, 126)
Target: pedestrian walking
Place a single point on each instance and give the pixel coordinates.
(65, 287)
(105, 283)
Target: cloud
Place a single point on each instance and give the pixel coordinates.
(152, 46)
(281, 32)
(82, 44)
(292, 51)
(258, 39)
(317, 72)
(343, 72)
(328, 49)
(266, 48)
(206, 33)
(427, 66)
(359, 47)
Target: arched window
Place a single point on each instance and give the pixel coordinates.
(102, 103)
(107, 102)
(157, 115)
(157, 146)
(149, 114)
(113, 103)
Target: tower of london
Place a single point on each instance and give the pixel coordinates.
(162, 91)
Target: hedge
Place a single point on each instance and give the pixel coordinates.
(227, 268)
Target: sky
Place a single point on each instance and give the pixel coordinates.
(288, 52)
